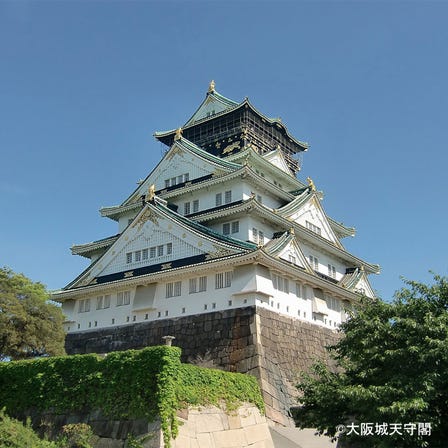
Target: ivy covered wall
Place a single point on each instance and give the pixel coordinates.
(132, 384)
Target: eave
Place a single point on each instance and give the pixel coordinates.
(302, 232)
(89, 248)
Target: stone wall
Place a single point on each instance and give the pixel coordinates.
(274, 348)
(206, 427)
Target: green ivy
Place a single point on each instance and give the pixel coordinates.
(124, 385)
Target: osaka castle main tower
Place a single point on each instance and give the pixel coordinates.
(225, 247)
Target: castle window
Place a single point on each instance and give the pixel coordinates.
(213, 305)
(186, 208)
(160, 251)
(195, 205)
(138, 255)
(90, 324)
(159, 314)
(235, 226)
(183, 310)
(230, 303)
(129, 257)
(202, 283)
(123, 298)
(134, 318)
(169, 248)
(102, 302)
(186, 177)
(180, 179)
(218, 199)
(226, 228)
(197, 284)
(299, 290)
(173, 289)
(84, 306)
(228, 197)
(113, 320)
(193, 285)
(146, 316)
(166, 313)
(127, 318)
(145, 254)
(331, 271)
(173, 181)
(205, 307)
(314, 262)
(223, 280)
(152, 252)
(280, 283)
(313, 228)
(167, 183)
(257, 236)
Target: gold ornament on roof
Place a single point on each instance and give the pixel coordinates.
(211, 87)
(178, 134)
(151, 193)
(311, 184)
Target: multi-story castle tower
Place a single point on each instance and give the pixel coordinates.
(221, 225)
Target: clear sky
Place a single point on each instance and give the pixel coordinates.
(84, 85)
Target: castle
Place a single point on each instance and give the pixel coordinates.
(221, 230)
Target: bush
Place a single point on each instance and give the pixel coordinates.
(14, 434)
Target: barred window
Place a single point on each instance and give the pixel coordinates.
(202, 283)
(195, 205)
(123, 298)
(235, 226)
(173, 289)
(129, 257)
(218, 199)
(145, 254)
(138, 255)
(228, 197)
(193, 285)
(152, 252)
(160, 251)
(169, 248)
(223, 280)
(84, 306)
(226, 228)
(187, 208)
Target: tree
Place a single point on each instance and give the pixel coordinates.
(392, 368)
(30, 325)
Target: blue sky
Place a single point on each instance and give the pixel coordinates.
(84, 85)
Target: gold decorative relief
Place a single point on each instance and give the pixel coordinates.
(147, 215)
(231, 147)
(128, 274)
(219, 252)
(166, 266)
(94, 282)
(218, 145)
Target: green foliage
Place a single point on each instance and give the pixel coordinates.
(197, 386)
(394, 363)
(30, 325)
(124, 385)
(76, 435)
(14, 434)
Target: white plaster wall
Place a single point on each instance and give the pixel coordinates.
(251, 285)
